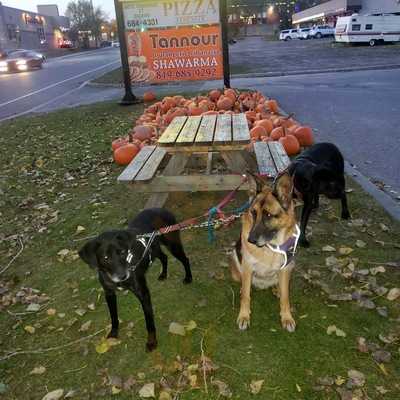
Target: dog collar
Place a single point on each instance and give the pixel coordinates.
(147, 251)
(287, 249)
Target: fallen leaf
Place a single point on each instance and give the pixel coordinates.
(193, 380)
(223, 388)
(377, 270)
(80, 229)
(105, 344)
(164, 396)
(115, 389)
(383, 227)
(340, 333)
(38, 370)
(91, 306)
(381, 390)
(328, 248)
(30, 329)
(331, 261)
(255, 386)
(51, 311)
(298, 388)
(360, 244)
(54, 395)
(381, 356)
(190, 325)
(393, 294)
(147, 391)
(339, 381)
(85, 327)
(344, 251)
(176, 329)
(357, 378)
(362, 345)
(80, 311)
(383, 369)
(33, 307)
(333, 329)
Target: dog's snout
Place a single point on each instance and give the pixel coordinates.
(252, 238)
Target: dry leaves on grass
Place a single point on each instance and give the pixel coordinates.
(105, 344)
(255, 386)
(333, 329)
(54, 395)
(147, 391)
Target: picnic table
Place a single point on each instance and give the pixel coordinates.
(160, 169)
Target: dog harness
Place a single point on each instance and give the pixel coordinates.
(147, 251)
(287, 249)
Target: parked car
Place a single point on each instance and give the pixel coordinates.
(372, 29)
(320, 31)
(289, 34)
(304, 33)
(106, 43)
(21, 60)
(66, 44)
(115, 43)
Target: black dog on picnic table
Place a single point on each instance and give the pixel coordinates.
(318, 170)
(122, 257)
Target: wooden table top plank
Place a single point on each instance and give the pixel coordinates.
(265, 162)
(151, 165)
(129, 173)
(223, 129)
(279, 156)
(240, 128)
(205, 134)
(189, 131)
(170, 135)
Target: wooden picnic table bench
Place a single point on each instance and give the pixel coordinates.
(225, 135)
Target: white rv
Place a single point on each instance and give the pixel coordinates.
(372, 29)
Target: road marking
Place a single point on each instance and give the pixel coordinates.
(56, 84)
(46, 103)
(79, 54)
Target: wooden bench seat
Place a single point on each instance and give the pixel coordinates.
(271, 158)
(144, 166)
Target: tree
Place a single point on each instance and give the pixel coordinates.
(85, 17)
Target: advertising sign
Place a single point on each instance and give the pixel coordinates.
(151, 14)
(175, 54)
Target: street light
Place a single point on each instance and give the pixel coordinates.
(270, 10)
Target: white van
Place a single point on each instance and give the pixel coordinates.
(372, 29)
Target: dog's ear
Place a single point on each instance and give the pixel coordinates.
(283, 190)
(256, 184)
(88, 253)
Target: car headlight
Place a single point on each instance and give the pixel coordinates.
(21, 62)
(3, 63)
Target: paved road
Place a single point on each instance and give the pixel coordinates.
(31, 91)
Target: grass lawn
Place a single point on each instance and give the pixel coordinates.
(57, 175)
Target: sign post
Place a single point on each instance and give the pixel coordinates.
(225, 45)
(129, 97)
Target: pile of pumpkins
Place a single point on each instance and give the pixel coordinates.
(262, 114)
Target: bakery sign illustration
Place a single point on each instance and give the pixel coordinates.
(173, 40)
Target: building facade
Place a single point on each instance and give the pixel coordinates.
(329, 11)
(29, 30)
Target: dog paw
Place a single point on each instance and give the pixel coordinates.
(150, 346)
(243, 322)
(113, 334)
(188, 279)
(346, 215)
(162, 277)
(288, 323)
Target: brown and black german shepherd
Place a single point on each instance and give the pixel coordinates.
(269, 223)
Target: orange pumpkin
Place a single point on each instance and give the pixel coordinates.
(215, 95)
(304, 135)
(119, 142)
(266, 124)
(142, 132)
(277, 133)
(125, 154)
(257, 132)
(272, 106)
(290, 144)
(231, 94)
(149, 96)
(225, 103)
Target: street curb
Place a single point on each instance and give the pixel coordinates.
(316, 71)
(387, 202)
(282, 73)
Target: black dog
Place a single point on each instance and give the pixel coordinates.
(318, 170)
(121, 260)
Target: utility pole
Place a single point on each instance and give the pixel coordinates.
(129, 97)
